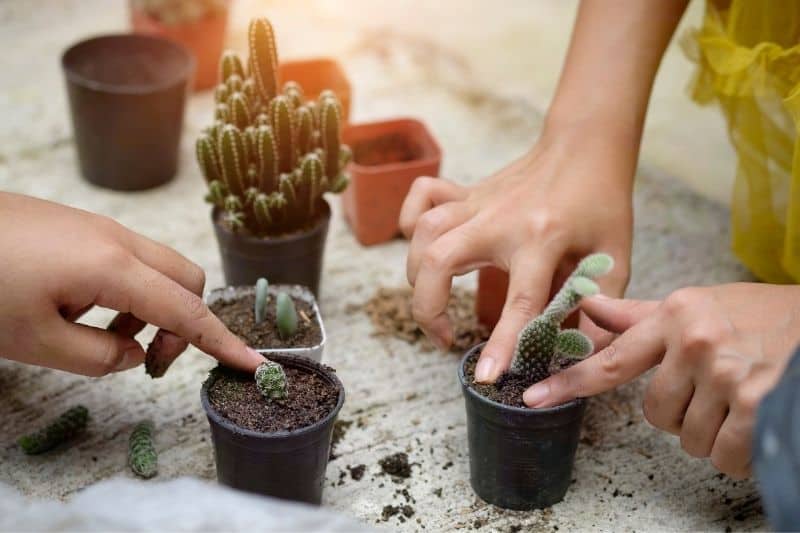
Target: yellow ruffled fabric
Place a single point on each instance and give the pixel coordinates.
(748, 57)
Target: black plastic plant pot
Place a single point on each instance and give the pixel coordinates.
(127, 95)
(519, 458)
(287, 465)
(294, 259)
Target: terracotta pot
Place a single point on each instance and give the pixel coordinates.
(519, 458)
(317, 74)
(127, 95)
(205, 38)
(376, 193)
(288, 465)
(294, 259)
(491, 297)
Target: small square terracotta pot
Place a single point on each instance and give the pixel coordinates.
(492, 289)
(205, 39)
(315, 75)
(377, 190)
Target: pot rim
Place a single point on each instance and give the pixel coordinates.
(425, 135)
(291, 360)
(296, 291)
(525, 411)
(177, 77)
(287, 238)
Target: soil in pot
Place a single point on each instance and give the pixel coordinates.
(237, 314)
(386, 149)
(234, 396)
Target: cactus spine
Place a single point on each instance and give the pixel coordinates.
(65, 427)
(542, 339)
(142, 455)
(271, 380)
(257, 155)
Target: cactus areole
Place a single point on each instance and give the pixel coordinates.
(542, 341)
(270, 155)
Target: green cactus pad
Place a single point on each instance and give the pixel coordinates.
(573, 344)
(271, 380)
(62, 429)
(142, 455)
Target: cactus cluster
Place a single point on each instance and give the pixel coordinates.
(285, 311)
(270, 155)
(271, 380)
(174, 12)
(142, 455)
(542, 340)
(65, 427)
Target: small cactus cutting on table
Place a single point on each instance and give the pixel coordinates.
(142, 455)
(269, 156)
(542, 340)
(64, 428)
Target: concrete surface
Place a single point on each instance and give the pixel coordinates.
(480, 73)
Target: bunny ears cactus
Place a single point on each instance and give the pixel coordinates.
(270, 155)
(542, 339)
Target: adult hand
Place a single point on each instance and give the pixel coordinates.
(566, 198)
(719, 350)
(58, 262)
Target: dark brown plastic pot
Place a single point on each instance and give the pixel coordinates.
(127, 96)
(205, 39)
(289, 465)
(316, 75)
(519, 458)
(373, 200)
(491, 296)
(294, 259)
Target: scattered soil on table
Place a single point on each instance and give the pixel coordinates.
(340, 428)
(405, 512)
(389, 309)
(357, 472)
(390, 148)
(508, 388)
(240, 318)
(396, 465)
(234, 395)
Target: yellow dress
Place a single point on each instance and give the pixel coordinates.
(748, 57)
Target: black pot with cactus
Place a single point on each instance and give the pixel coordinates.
(269, 158)
(272, 434)
(521, 458)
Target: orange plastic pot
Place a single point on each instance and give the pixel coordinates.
(205, 38)
(376, 193)
(317, 74)
(492, 289)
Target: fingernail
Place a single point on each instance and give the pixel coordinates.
(484, 370)
(258, 358)
(536, 394)
(601, 296)
(129, 357)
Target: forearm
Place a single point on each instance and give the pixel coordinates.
(608, 74)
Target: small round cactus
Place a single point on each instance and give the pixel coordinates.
(542, 339)
(271, 380)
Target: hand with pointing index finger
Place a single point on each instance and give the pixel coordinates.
(718, 351)
(58, 262)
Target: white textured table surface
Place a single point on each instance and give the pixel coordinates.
(480, 73)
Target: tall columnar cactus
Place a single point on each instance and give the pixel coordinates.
(285, 315)
(271, 380)
(65, 427)
(142, 455)
(270, 155)
(542, 339)
(262, 288)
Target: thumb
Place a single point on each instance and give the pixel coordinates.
(616, 314)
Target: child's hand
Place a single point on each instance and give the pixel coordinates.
(58, 262)
(570, 196)
(719, 351)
